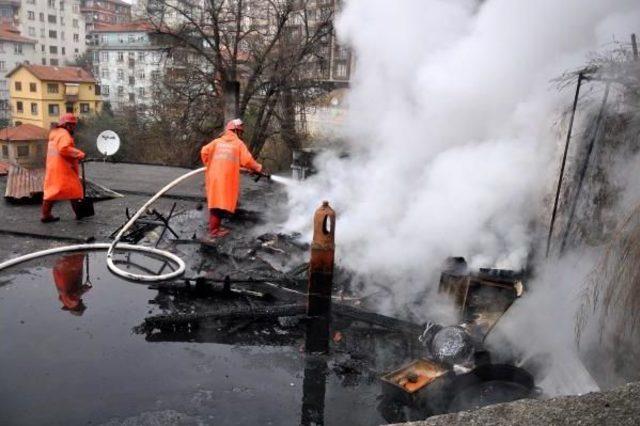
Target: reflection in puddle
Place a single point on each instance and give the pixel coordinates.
(257, 374)
(68, 277)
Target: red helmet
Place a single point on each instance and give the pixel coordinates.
(235, 124)
(67, 118)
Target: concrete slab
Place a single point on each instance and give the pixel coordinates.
(620, 406)
(143, 179)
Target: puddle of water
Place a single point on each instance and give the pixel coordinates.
(69, 356)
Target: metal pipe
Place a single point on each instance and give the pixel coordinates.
(322, 260)
(564, 162)
(585, 165)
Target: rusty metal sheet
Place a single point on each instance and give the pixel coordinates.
(4, 168)
(24, 183)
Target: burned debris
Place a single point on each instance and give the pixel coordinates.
(421, 369)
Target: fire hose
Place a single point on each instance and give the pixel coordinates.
(111, 247)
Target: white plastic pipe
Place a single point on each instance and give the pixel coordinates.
(127, 247)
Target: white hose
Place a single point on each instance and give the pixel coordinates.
(127, 247)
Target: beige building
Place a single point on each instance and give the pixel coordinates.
(24, 145)
(14, 50)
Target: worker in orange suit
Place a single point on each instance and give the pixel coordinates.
(61, 179)
(223, 158)
(67, 275)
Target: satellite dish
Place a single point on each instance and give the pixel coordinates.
(108, 143)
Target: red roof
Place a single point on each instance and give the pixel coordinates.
(24, 132)
(8, 33)
(135, 26)
(51, 73)
(118, 2)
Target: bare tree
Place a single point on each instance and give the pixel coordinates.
(275, 49)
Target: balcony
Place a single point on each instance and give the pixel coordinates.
(71, 91)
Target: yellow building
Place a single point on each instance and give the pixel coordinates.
(39, 94)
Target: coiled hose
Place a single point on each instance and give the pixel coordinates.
(127, 247)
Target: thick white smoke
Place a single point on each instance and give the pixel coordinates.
(450, 127)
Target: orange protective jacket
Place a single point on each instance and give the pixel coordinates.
(61, 180)
(223, 158)
(67, 274)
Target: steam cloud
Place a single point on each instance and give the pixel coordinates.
(450, 127)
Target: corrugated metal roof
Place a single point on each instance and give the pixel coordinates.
(4, 167)
(24, 183)
(135, 26)
(24, 132)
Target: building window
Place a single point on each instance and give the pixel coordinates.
(41, 16)
(22, 151)
(32, 31)
(132, 97)
(120, 91)
(104, 73)
(155, 75)
(3, 66)
(140, 74)
(76, 38)
(33, 87)
(105, 90)
(75, 8)
(42, 35)
(34, 108)
(61, 32)
(104, 56)
(52, 19)
(120, 56)
(18, 86)
(63, 50)
(62, 20)
(68, 107)
(141, 56)
(53, 50)
(141, 91)
(17, 49)
(5, 151)
(52, 88)
(120, 75)
(19, 107)
(51, 3)
(53, 34)
(75, 23)
(61, 5)
(31, 15)
(132, 81)
(54, 110)
(84, 108)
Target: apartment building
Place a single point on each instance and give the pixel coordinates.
(104, 12)
(57, 25)
(14, 50)
(39, 94)
(168, 11)
(129, 63)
